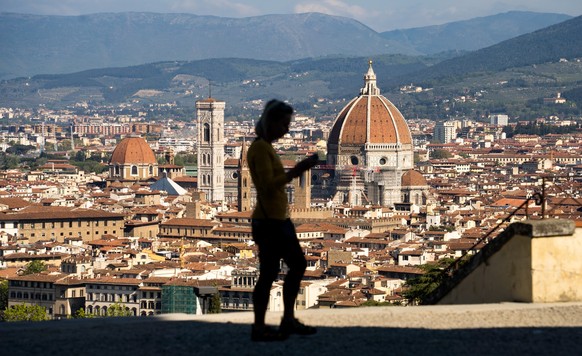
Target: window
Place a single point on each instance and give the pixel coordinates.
(206, 133)
(133, 170)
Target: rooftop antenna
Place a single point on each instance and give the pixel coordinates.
(209, 89)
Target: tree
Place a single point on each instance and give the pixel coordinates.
(440, 154)
(422, 286)
(25, 312)
(3, 294)
(34, 267)
(117, 309)
(81, 314)
(214, 306)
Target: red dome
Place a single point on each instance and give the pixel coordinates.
(413, 178)
(133, 150)
(370, 119)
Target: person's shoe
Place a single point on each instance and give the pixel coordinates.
(294, 326)
(267, 333)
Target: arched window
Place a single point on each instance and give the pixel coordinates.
(133, 170)
(151, 170)
(116, 170)
(206, 133)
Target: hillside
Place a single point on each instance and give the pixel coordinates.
(473, 34)
(66, 44)
(563, 40)
(513, 76)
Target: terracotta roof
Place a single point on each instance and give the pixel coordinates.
(133, 150)
(52, 212)
(14, 203)
(370, 119)
(189, 222)
(413, 178)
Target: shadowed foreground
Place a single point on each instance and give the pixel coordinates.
(500, 329)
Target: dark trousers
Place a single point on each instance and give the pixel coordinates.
(277, 240)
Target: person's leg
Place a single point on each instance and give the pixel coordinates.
(269, 268)
(294, 259)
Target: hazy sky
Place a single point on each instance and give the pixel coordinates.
(380, 15)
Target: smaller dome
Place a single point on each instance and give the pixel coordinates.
(413, 178)
(133, 150)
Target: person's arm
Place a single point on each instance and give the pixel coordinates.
(302, 166)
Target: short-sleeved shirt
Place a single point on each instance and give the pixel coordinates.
(269, 179)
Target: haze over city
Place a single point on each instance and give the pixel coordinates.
(377, 14)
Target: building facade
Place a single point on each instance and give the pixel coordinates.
(45, 223)
(444, 132)
(210, 125)
(368, 150)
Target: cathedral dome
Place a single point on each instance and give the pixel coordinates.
(370, 118)
(413, 178)
(133, 150)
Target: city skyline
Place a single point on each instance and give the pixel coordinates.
(376, 14)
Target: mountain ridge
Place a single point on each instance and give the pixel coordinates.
(65, 44)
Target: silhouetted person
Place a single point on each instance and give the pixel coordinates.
(272, 228)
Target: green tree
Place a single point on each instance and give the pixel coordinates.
(19, 149)
(214, 306)
(24, 312)
(81, 314)
(3, 294)
(117, 309)
(34, 267)
(422, 286)
(440, 154)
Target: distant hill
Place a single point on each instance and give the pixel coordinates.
(320, 86)
(473, 34)
(233, 80)
(59, 44)
(67, 44)
(563, 40)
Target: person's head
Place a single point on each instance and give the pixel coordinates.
(274, 121)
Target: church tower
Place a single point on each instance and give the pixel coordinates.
(244, 181)
(210, 124)
(302, 191)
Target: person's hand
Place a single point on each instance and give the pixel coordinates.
(307, 163)
(304, 165)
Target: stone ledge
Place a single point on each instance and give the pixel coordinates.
(551, 227)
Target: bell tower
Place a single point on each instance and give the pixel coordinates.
(244, 181)
(210, 127)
